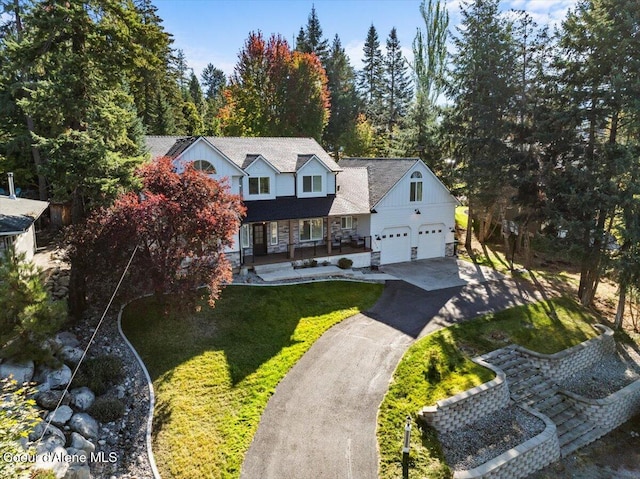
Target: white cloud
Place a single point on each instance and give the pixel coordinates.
(354, 52)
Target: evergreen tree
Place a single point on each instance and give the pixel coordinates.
(371, 78)
(213, 80)
(310, 39)
(195, 94)
(398, 91)
(344, 98)
(482, 89)
(181, 68)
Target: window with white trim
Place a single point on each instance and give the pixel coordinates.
(312, 184)
(245, 236)
(274, 232)
(259, 185)
(311, 229)
(346, 222)
(204, 166)
(415, 189)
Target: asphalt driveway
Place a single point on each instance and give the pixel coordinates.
(321, 420)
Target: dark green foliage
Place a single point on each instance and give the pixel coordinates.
(397, 89)
(345, 263)
(99, 374)
(371, 77)
(106, 409)
(310, 40)
(28, 316)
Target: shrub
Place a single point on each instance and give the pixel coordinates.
(107, 409)
(99, 374)
(345, 263)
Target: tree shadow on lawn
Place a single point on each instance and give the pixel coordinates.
(250, 325)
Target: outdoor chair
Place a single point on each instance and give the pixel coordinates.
(357, 241)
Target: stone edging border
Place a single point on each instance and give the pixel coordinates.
(152, 398)
(512, 454)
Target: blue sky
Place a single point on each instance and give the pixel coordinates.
(214, 31)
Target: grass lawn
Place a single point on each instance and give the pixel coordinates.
(214, 369)
(439, 366)
(462, 217)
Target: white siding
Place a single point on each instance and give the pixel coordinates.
(260, 168)
(433, 192)
(331, 183)
(285, 184)
(25, 243)
(224, 168)
(314, 168)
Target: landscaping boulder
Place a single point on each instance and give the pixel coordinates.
(70, 355)
(51, 431)
(80, 443)
(50, 443)
(78, 470)
(53, 461)
(84, 424)
(66, 338)
(60, 416)
(49, 399)
(22, 372)
(54, 378)
(82, 398)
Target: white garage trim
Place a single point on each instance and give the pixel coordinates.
(395, 245)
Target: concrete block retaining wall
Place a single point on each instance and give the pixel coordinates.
(565, 363)
(522, 460)
(468, 406)
(610, 412)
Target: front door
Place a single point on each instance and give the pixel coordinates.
(259, 239)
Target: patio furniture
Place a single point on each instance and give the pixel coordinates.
(336, 243)
(357, 241)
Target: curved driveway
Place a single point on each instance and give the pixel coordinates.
(321, 420)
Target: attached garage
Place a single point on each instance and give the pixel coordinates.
(431, 241)
(395, 245)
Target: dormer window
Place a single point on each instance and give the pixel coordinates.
(312, 184)
(415, 189)
(204, 166)
(259, 185)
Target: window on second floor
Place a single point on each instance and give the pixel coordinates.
(312, 184)
(259, 185)
(415, 190)
(205, 166)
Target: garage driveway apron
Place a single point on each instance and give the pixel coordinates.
(321, 420)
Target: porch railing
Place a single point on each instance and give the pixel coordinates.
(310, 250)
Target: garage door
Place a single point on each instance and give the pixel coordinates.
(431, 241)
(395, 245)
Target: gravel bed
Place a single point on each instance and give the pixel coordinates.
(607, 376)
(489, 437)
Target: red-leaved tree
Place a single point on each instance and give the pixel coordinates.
(180, 223)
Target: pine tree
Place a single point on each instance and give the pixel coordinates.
(482, 89)
(371, 78)
(213, 80)
(310, 39)
(344, 98)
(195, 94)
(398, 91)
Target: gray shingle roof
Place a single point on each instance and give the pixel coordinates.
(18, 214)
(353, 192)
(384, 173)
(158, 146)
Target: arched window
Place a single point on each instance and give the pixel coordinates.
(205, 166)
(415, 190)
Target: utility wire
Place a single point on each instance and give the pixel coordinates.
(86, 349)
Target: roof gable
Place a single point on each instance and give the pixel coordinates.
(253, 159)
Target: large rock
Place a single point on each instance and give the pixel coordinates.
(54, 378)
(49, 444)
(70, 356)
(22, 372)
(78, 470)
(53, 461)
(66, 338)
(60, 416)
(82, 398)
(84, 424)
(49, 399)
(80, 443)
(51, 431)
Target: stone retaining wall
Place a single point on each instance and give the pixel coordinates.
(470, 405)
(565, 363)
(522, 460)
(610, 412)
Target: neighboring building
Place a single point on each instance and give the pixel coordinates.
(17, 218)
(302, 204)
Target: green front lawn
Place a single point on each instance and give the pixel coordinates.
(214, 369)
(462, 217)
(439, 366)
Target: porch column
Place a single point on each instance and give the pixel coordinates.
(292, 248)
(328, 234)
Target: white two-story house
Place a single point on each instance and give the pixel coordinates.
(301, 204)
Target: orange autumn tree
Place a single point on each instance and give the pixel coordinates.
(275, 91)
